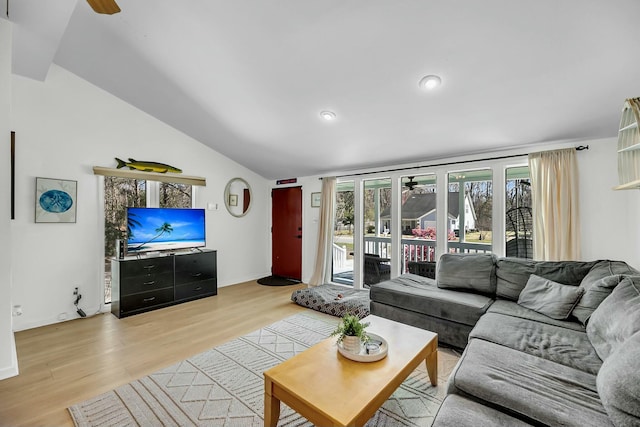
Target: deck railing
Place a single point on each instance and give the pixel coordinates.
(339, 256)
(419, 249)
(413, 250)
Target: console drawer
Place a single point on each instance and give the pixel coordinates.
(196, 289)
(149, 282)
(146, 267)
(146, 299)
(195, 267)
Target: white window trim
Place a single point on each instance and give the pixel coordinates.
(498, 168)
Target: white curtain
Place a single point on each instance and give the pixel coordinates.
(322, 270)
(554, 192)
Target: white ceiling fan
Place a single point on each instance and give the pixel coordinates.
(107, 7)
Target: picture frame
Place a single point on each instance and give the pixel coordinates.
(315, 200)
(233, 200)
(56, 200)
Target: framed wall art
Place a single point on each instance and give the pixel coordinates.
(315, 200)
(56, 200)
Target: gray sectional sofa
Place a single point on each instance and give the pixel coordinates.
(545, 343)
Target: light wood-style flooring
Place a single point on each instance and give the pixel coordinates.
(69, 362)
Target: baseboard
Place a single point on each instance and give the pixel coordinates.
(53, 320)
(11, 371)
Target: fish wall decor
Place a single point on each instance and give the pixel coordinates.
(147, 166)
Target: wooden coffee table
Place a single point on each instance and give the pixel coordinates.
(331, 390)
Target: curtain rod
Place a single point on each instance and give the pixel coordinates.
(578, 148)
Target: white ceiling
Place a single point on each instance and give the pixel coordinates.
(249, 77)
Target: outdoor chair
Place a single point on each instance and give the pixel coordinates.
(423, 268)
(376, 269)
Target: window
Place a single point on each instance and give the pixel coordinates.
(120, 193)
(470, 211)
(419, 219)
(518, 215)
(342, 250)
(174, 195)
(376, 237)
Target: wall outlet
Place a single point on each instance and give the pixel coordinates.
(17, 310)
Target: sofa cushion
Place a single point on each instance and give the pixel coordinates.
(605, 268)
(619, 383)
(512, 274)
(595, 292)
(421, 295)
(555, 343)
(598, 284)
(467, 272)
(450, 333)
(617, 318)
(549, 298)
(533, 388)
(462, 412)
(511, 308)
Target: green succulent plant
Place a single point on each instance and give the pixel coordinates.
(351, 326)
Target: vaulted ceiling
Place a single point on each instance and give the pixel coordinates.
(249, 78)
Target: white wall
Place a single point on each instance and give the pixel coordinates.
(64, 127)
(609, 219)
(609, 224)
(8, 362)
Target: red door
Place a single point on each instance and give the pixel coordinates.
(286, 232)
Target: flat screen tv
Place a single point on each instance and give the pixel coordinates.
(165, 229)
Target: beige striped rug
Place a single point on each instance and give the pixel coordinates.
(225, 387)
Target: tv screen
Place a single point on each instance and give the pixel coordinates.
(163, 229)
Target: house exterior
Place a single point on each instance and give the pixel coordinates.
(419, 210)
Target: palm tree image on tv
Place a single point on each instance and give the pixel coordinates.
(132, 223)
(164, 228)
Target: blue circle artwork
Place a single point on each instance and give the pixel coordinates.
(56, 201)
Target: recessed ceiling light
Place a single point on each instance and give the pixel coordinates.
(328, 115)
(430, 82)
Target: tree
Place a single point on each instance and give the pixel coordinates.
(344, 208)
(120, 193)
(481, 195)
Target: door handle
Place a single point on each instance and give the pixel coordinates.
(299, 236)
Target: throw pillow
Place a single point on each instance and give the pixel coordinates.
(595, 293)
(549, 298)
(513, 273)
(616, 318)
(468, 272)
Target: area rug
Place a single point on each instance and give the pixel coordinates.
(277, 281)
(224, 386)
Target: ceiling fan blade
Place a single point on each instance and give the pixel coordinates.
(108, 7)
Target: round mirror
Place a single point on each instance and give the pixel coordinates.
(237, 197)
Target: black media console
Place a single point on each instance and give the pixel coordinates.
(144, 284)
